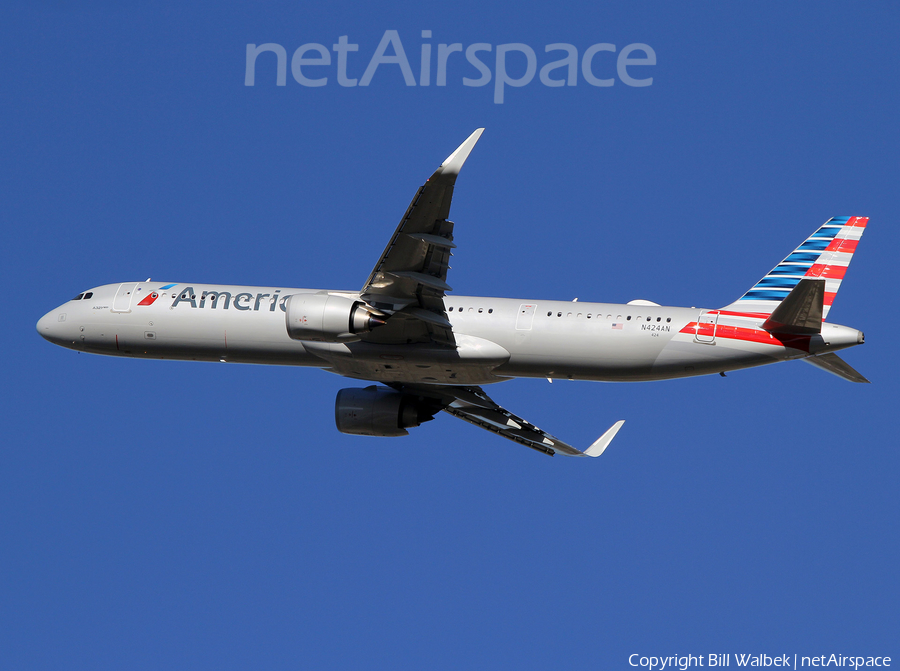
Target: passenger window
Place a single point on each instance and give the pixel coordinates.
(559, 314)
(668, 319)
(589, 315)
(549, 314)
(659, 319)
(628, 318)
(579, 314)
(480, 310)
(490, 310)
(649, 318)
(471, 309)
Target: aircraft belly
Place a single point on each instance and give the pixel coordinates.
(409, 373)
(184, 333)
(98, 337)
(683, 356)
(234, 337)
(596, 354)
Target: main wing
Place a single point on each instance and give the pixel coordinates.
(410, 279)
(408, 285)
(473, 405)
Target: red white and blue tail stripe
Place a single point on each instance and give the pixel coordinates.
(826, 253)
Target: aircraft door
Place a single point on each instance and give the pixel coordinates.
(525, 317)
(705, 330)
(122, 301)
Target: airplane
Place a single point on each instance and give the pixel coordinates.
(433, 351)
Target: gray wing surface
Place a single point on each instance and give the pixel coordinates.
(409, 283)
(409, 280)
(473, 405)
(835, 365)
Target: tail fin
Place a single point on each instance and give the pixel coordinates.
(825, 254)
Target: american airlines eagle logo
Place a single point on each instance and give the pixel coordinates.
(149, 298)
(153, 295)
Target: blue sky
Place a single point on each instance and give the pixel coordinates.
(176, 515)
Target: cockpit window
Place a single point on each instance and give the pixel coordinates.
(89, 294)
(78, 297)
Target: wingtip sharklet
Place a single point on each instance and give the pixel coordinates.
(599, 445)
(454, 163)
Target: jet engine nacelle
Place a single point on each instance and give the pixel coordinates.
(327, 318)
(377, 411)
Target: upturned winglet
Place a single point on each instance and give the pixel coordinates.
(454, 162)
(603, 441)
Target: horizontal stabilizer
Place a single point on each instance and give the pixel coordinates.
(800, 313)
(835, 365)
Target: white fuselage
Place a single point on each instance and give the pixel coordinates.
(497, 338)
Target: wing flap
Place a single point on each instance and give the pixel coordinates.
(434, 318)
(527, 435)
(426, 280)
(472, 405)
(432, 240)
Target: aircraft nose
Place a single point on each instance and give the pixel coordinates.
(43, 324)
(49, 326)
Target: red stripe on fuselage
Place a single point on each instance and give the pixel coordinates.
(754, 315)
(748, 335)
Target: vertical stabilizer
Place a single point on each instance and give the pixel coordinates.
(825, 254)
